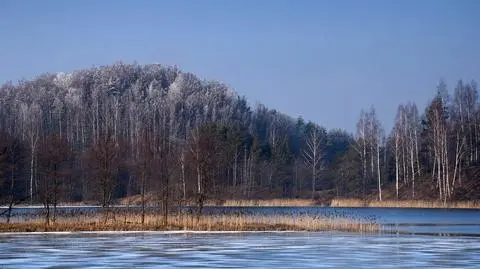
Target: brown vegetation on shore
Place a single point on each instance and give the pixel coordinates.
(337, 202)
(269, 202)
(403, 203)
(151, 200)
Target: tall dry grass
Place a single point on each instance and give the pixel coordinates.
(270, 202)
(403, 203)
(232, 222)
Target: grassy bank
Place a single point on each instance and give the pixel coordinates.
(403, 203)
(155, 222)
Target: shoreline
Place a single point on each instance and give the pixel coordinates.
(14, 229)
(420, 204)
(334, 203)
(51, 230)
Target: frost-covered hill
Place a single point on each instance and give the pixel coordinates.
(254, 149)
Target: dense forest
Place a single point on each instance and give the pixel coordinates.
(105, 133)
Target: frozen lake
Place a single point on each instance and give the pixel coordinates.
(237, 250)
(411, 238)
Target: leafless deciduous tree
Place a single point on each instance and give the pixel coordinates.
(361, 146)
(313, 154)
(104, 156)
(54, 168)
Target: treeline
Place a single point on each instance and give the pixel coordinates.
(117, 131)
(434, 155)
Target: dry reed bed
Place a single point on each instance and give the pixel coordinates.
(151, 201)
(271, 202)
(132, 221)
(403, 204)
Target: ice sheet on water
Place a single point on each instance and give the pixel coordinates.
(227, 250)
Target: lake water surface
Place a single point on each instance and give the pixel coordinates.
(435, 221)
(411, 238)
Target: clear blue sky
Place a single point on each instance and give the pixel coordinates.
(324, 60)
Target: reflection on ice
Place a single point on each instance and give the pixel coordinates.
(235, 250)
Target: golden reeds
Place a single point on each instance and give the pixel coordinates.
(270, 202)
(151, 200)
(227, 222)
(403, 203)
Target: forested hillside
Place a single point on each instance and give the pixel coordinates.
(110, 132)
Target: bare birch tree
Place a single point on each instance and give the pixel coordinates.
(361, 146)
(375, 139)
(314, 152)
(32, 116)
